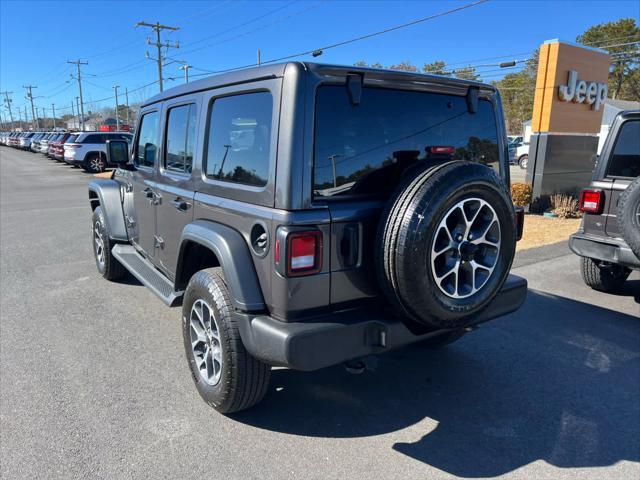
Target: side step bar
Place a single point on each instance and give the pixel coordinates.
(148, 275)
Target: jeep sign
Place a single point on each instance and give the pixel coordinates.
(580, 91)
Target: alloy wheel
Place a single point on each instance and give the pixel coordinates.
(205, 342)
(465, 248)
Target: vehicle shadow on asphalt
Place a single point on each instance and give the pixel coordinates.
(558, 381)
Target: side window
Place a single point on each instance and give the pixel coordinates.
(239, 139)
(625, 160)
(147, 145)
(180, 138)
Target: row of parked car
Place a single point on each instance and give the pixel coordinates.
(87, 150)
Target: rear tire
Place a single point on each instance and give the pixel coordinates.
(628, 216)
(227, 377)
(608, 279)
(445, 244)
(95, 163)
(523, 161)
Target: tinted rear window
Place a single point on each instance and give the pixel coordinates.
(625, 160)
(71, 139)
(364, 149)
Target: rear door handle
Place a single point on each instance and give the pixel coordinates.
(180, 204)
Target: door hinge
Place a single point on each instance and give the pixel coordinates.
(158, 242)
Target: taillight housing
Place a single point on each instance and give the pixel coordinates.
(442, 150)
(298, 251)
(591, 201)
(519, 223)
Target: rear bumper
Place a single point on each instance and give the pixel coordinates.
(336, 338)
(603, 248)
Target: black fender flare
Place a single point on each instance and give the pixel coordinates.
(231, 250)
(106, 193)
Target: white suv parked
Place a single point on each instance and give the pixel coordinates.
(89, 150)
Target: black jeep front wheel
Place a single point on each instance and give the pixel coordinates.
(107, 264)
(227, 377)
(603, 277)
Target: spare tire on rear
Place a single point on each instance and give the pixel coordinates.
(628, 216)
(445, 244)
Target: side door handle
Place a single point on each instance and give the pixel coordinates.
(180, 204)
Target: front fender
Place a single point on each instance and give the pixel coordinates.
(107, 193)
(232, 252)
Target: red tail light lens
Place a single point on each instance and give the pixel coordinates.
(304, 253)
(442, 150)
(591, 201)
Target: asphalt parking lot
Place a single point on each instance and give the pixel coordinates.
(94, 383)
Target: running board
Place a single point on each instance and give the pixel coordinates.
(148, 275)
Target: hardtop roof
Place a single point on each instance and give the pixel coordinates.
(276, 70)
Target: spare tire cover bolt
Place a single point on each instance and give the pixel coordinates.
(459, 237)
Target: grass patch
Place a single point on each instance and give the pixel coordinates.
(539, 231)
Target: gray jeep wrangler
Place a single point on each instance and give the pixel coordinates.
(306, 215)
(609, 237)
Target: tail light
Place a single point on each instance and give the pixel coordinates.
(72, 145)
(442, 150)
(302, 252)
(519, 223)
(591, 201)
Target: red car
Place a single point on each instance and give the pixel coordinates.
(56, 146)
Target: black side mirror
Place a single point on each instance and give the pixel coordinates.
(117, 152)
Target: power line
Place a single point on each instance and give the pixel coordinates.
(355, 39)
(157, 27)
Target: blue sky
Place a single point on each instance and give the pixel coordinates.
(37, 38)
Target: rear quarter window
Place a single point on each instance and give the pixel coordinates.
(365, 149)
(238, 146)
(625, 158)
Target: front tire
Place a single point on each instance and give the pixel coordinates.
(107, 264)
(608, 279)
(227, 377)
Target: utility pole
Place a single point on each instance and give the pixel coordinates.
(77, 63)
(44, 119)
(258, 57)
(115, 87)
(34, 117)
(157, 27)
(53, 108)
(20, 118)
(80, 120)
(186, 68)
(126, 96)
(7, 102)
(26, 119)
